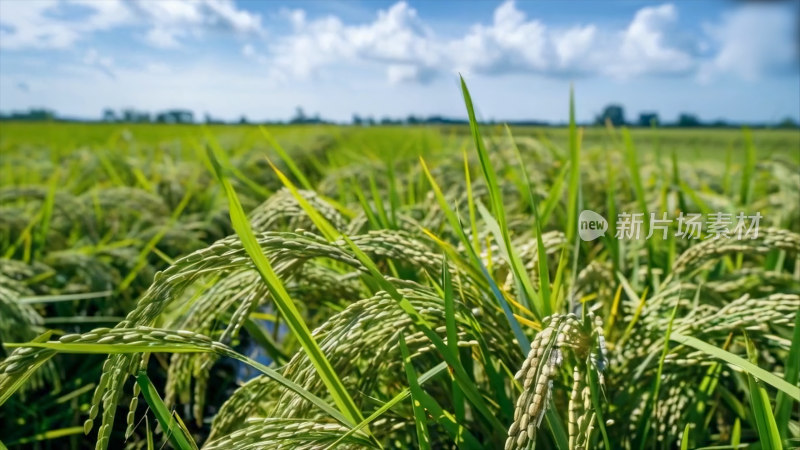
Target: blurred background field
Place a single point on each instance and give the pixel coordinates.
(56, 138)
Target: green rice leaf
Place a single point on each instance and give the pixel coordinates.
(284, 303)
(178, 435)
(762, 410)
(736, 361)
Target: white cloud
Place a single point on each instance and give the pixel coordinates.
(172, 20)
(515, 43)
(645, 48)
(746, 43)
(510, 43)
(397, 39)
(26, 25)
(42, 24)
(409, 50)
(573, 47)
(753, 40)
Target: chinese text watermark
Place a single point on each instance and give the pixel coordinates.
(592, 225)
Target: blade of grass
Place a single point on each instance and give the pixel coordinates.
(783, 404)
(611, 206)
(539, 307)
(64, 297)
(473, 226)
(452, 342)
(286, 159)
(573, 197)
(47, 435)
(394, 196)
(455, 224)
(378, 201)
(685, 438)
(595, 391)
(736, 361)
(284, 302)
(420, 417)
(47, 213)
(554, 195)
(762, 410)
(574, 170)
(178, 436)
(402, 395)
(149, 433)
(632, 158)
(373, 221)
(644, 424)
(442, 417)
(746, 188)
(544, 271)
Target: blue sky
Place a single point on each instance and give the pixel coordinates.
(262, 59)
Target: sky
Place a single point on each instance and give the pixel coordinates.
(730, 60)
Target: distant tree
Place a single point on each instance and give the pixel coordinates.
(648, 119)
(357, 120)
(243, 120)
(133, 116)
(109, 115)
(787, 123)
(34, 115)
(688, 120)
(175, 116)
(613, 113)
(413, 120)
(370, 121)
(386, 120)
(299, 116)
(183, 116)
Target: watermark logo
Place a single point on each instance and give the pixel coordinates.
(686, 226)
(591, 225)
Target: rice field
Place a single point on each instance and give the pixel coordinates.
(246, 287)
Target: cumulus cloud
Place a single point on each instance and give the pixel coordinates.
(750, 40)
(31, 24)
(397, 39)
(510, 43)
(645, 47)
(754, 40)
(172, 20)
(409, 50)
(59, 24)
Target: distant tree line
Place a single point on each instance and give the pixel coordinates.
(613, 114)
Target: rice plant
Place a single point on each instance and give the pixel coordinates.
(395, 288)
